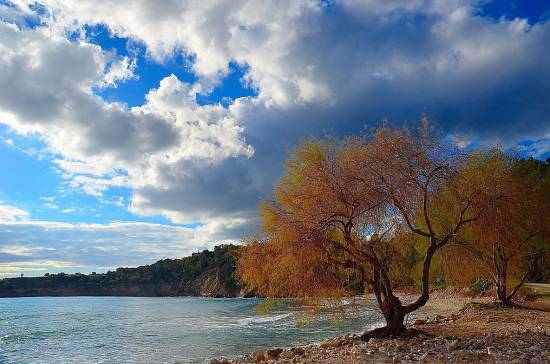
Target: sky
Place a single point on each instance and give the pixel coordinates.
(132, 131)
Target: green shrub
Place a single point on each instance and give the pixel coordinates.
(482, 285)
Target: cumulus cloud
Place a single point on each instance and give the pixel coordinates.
(316, 68)
(119, 70)
(102, 144)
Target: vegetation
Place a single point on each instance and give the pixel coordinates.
(208, 273)
(382, 211)
(505, 237)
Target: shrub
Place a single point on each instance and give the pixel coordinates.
(482, 285)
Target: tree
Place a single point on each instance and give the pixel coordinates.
(342, 210)
(504, 238)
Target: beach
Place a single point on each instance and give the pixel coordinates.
(447, 329)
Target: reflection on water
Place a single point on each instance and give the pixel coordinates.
(159, 329)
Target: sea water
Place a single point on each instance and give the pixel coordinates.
(161, 329)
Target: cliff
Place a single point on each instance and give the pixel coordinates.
(209, 273)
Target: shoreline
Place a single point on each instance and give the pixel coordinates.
(460, 329)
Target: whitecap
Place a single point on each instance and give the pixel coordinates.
(264, 319)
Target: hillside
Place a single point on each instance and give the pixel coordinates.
(209, 273)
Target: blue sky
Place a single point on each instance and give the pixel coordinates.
(131, 132)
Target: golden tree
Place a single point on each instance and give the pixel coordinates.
(342, 210)
(502, 239)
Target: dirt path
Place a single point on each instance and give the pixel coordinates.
(544, 287)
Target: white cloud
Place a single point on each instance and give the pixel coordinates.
(36, 246)
(313, 70)
(104, 144)
(11, 213)
(16, 250)
(35, 267)
(537, 147)
(119, 71)
(48, 198)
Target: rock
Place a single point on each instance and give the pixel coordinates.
(286, 355)
(453, 345)
(220, 361)
(334, 343)
(374, 342)
(419, 322)
(273, 353)
(297, 351)
(259, 355)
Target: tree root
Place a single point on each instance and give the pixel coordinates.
(386, 332)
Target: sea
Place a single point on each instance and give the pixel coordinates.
(166, 329)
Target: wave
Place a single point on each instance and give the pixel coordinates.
(264, 319)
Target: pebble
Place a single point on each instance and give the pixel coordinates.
(489, 348)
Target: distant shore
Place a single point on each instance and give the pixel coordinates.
(204, 274)
(450, 329)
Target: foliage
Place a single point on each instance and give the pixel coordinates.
(539, 261)
(352, 208)
(505, 238)
(482, 285)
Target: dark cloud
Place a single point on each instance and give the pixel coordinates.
(316, 70)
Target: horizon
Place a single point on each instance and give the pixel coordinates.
(131, 133)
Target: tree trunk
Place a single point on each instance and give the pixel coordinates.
(389, 304)
(501, 289)
(395, 318)
(500, 283)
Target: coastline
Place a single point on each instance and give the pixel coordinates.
(448, 329)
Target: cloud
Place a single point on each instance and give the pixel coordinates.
(11, 213)
(101, 144)
(34, 247)
(119, 71)
(34, 267)
(316, 69)
(538, 148)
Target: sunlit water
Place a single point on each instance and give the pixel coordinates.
(158, 330)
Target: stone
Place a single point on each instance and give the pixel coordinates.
(286, 354)
(220, 361)
(298, 351)
(259, 355)
(333, 343)
(419, 322)
(273, 353)
(453, 345)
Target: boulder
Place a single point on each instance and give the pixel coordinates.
(259, 355)
(297, 351)
(273, 353)
(286, 355)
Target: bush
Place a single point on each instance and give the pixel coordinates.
(482, 285)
